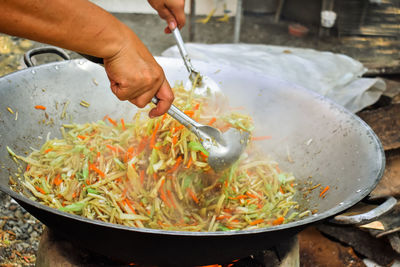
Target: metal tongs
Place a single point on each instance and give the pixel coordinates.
(224, 148)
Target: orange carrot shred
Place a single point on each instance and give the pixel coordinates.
(190, 113)
(192, 194)
(204, 155)
(281, 190)
(277, 169)
(40, 107)
(127, 201)
(142, 144)
(251, 195)
(99, 172)
(260, 138)
(171, 198)
(153, 136)
(81, 137)
(324, 191)
(238, 197)
(211, 122)
(175, 140)
(57, 181)
(48, 150)
(221, 217)
(123, 124)
(176, 166)
(40, 190)
(113, 148)
(189, 163)
(141, 176)
(113, 122)
(164, 117)
(28, 167)
(256, 222)
(278, 221)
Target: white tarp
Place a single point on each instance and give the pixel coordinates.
(335, 76)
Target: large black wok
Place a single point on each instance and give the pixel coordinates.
(325, 142)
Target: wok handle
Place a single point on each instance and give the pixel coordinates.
(366, 217)
(43, 50)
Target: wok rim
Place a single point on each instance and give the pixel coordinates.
(302, 222)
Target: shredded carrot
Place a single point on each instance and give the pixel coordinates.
(174, 139)
(57, 181)
(123, 124)
(251, 195)
(277, 169)
(163, 195)
(221, 217)
(211, 122)
(81, 137)
(324, 191)
(142, 176)
(238, 197)
(192, 194)
(163, 117)
(99, 172)
(260, 138)
(177, 129)
(28, 167)
(113, 122)
(204, 155)
(176, 166)
(40, 190)
(226, 127)
(196, 107)
(113, 148)
(278, 221)
(190, 113)
(127, 201)
(130, 152)
(256, 222)
(142, 144)
(40, 107)
(153, 136)
(87, 181)
(48, 150)
(171, 198)
(281, 190)
(189, 163)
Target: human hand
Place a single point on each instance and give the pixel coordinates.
(136, 76)
(172, 11)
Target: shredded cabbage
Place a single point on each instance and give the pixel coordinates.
(154, 173)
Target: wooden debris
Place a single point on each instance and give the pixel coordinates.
(317, 250)
(376, 249)
(385, 122)
(390, 183)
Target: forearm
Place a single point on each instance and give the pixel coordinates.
(77, 25)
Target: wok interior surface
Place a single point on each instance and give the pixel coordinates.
(325, 143)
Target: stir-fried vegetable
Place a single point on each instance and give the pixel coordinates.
(154, 173)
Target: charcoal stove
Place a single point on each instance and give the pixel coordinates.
(57, 251)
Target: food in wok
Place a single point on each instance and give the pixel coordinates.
(154, 173)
